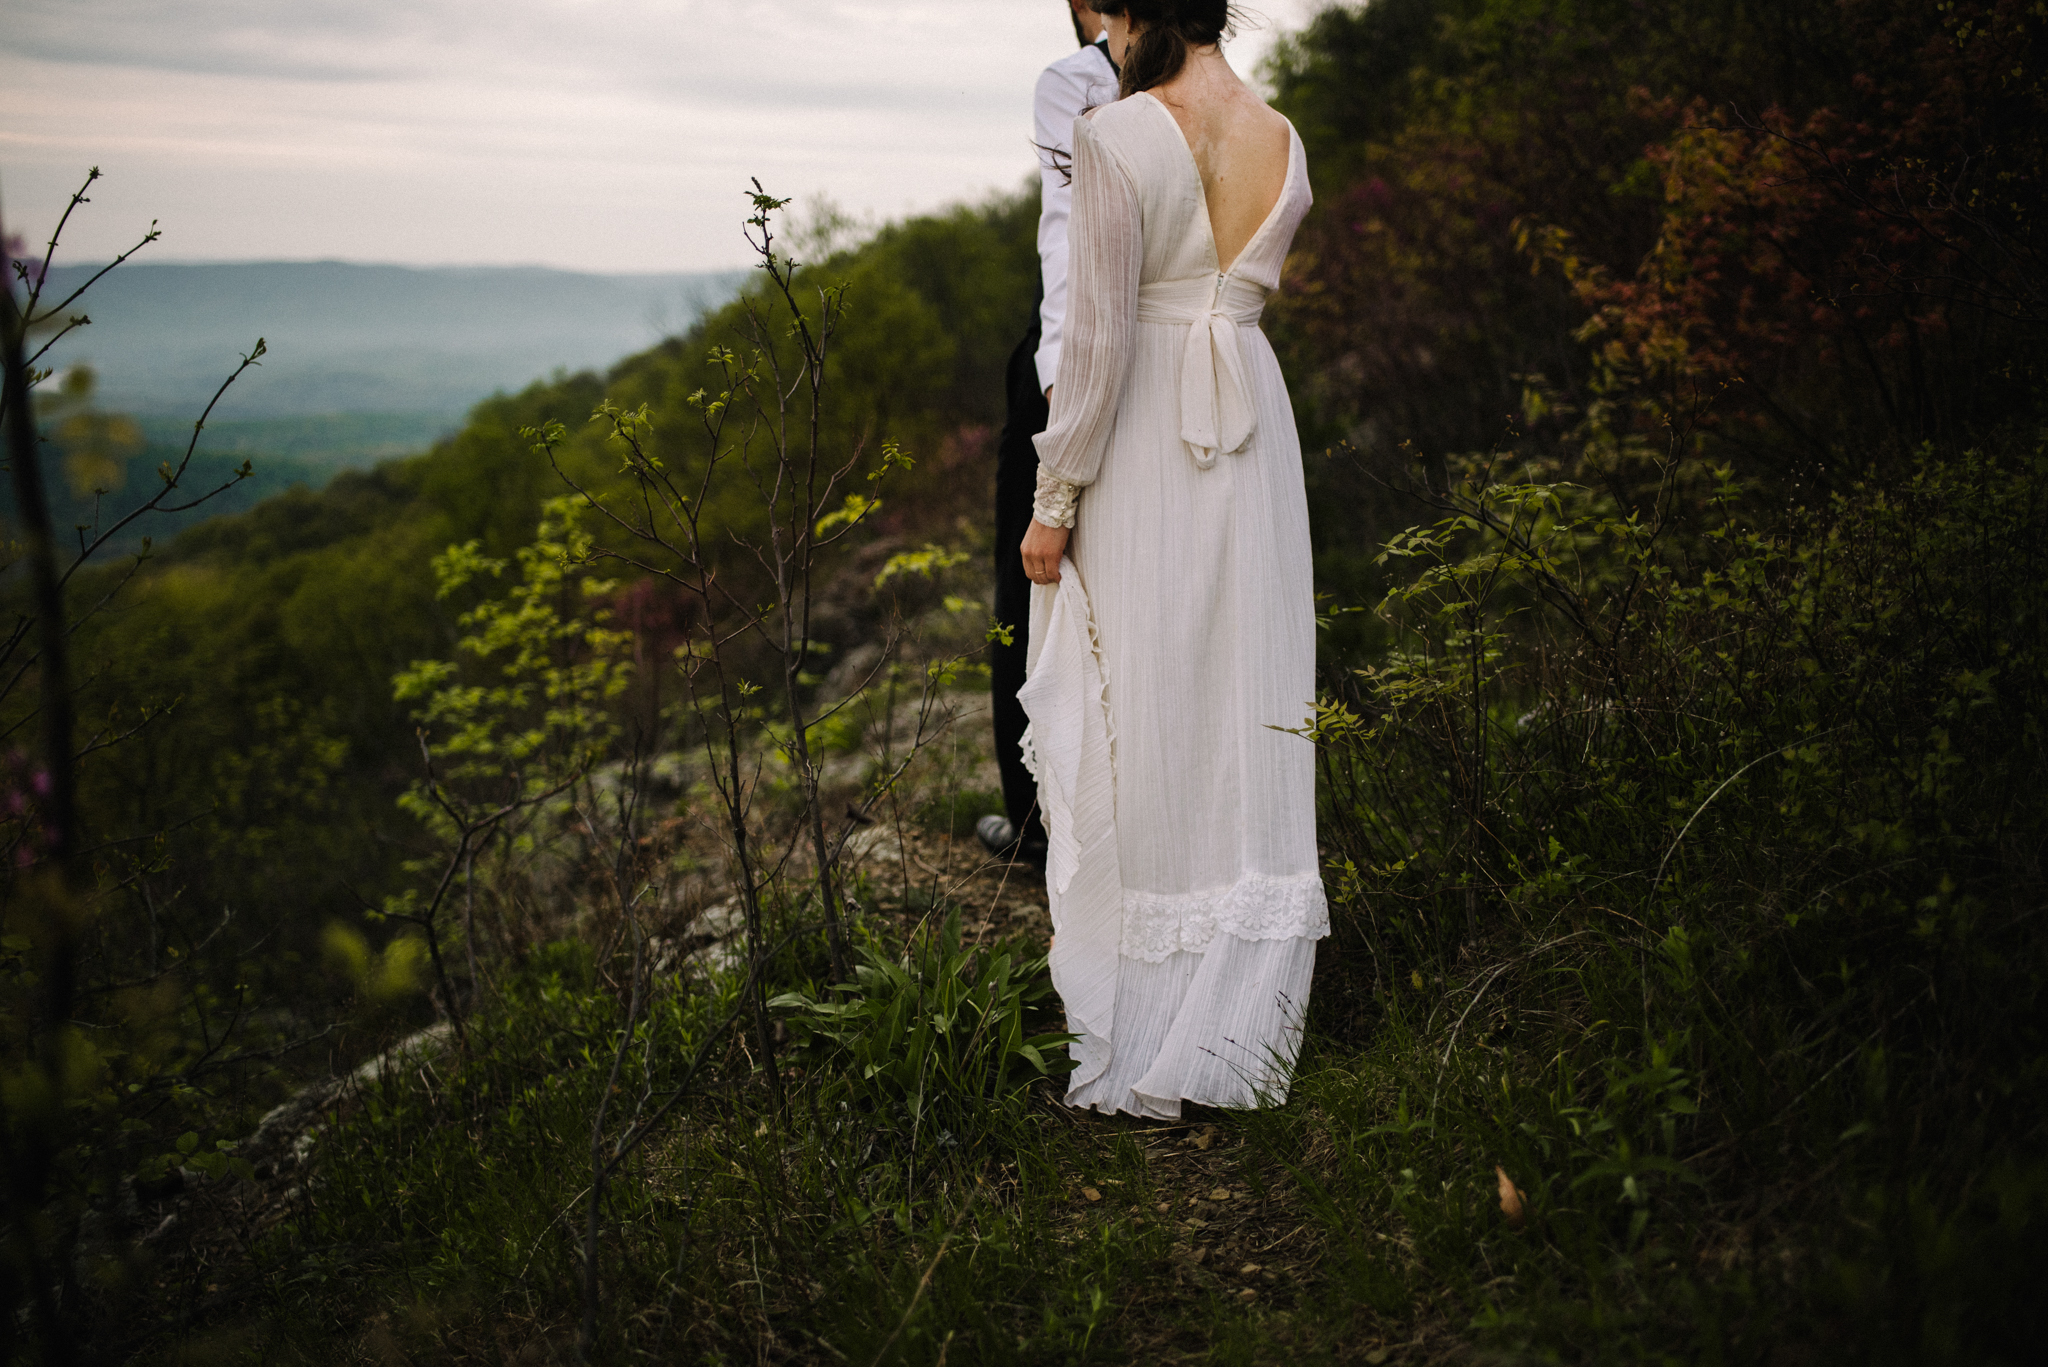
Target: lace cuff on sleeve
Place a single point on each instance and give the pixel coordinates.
(1053, 505)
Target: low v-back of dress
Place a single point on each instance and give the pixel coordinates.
(1177, 655)
(1273, 211)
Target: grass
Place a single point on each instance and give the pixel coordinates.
(442, 1222)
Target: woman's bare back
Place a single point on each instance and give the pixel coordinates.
(1240, 146)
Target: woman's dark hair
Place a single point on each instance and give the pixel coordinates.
(1170, 28)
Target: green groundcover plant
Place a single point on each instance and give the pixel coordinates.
(936, 1035)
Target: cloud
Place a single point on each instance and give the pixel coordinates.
(312, 41)
(620, 131)
(829, 53)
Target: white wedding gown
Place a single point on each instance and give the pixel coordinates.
(1182, 874)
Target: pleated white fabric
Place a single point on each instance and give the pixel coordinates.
(1067, 748)
(1183, 875)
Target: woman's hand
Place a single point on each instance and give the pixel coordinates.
(1043, 546)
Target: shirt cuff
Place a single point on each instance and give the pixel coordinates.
(1047, 362)
(1053, 505)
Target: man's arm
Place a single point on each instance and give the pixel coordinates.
(1062, 96)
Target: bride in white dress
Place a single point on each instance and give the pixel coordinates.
(1172, 638)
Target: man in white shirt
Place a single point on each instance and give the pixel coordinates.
(1075, 83)
(1068, 88)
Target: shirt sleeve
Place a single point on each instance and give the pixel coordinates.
(1102, 317)
(1060, 99)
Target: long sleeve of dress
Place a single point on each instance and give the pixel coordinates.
(1106, 252)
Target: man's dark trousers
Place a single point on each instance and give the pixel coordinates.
(1016, 484)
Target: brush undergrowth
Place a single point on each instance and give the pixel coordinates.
(1684, 1006)
(1701, 881)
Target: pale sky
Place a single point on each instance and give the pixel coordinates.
(606, 135)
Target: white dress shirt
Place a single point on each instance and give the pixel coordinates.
(1069, 87)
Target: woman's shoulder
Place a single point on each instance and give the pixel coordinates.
(1129, 129)
(1122, 133)
(1253, 115)
(1119, 118)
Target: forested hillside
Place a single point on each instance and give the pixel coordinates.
(422, 342)
(361, 364)
(1670, 380)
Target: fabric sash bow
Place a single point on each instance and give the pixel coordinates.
(1215, 393)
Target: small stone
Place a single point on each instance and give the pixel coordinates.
(1165, 1207)
(1205, 1139)
(1250, 1270)
(1376, 1357)
(1091, 1193)
(1220, 1194)
(1248, 1294)
(1199, 1255)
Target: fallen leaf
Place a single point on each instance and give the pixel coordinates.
(1203, 1141)
(1220, 1194)
(1250, 1270)
(1199, 1255)
(1511, 1204)
(1094, 1195)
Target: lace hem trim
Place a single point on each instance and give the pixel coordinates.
(1259, 906)
(1053, 504)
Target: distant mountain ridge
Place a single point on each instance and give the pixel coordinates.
(428, 342)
